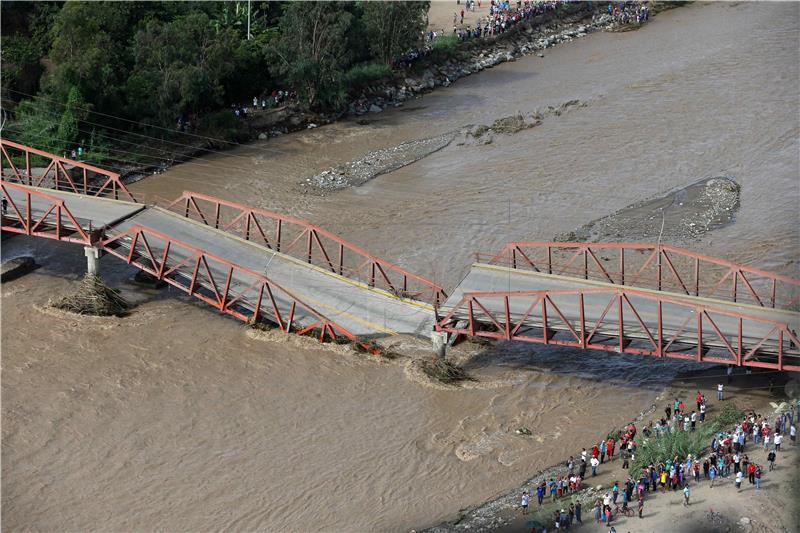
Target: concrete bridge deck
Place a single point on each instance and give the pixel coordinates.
(362, 310)
(507, 292)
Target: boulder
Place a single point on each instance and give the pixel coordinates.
(375, 109)
(262, 136)
(14, 268)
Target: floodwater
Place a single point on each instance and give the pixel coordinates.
(174, 418)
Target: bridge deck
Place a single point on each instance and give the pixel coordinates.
(360, 309)
(489, 278)
(100, 211)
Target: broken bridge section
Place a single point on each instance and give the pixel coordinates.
(583, 303)
(249, 263)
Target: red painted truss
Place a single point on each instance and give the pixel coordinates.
(631, 321)
(307, 242)
(35, 213)
(232, 289)
(652, 266)
(60, 173)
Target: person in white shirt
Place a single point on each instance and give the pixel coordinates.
(793, 434)
(594, 462)
(739, 477)
(778, 440)
(720, 395)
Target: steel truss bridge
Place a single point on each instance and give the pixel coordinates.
(254, 264)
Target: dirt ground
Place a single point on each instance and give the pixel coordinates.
(440, 15)
(722, 508)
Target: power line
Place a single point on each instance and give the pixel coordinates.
(179, 159)
(120, 118)
(273, 150)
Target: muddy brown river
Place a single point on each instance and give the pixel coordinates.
(174, 418)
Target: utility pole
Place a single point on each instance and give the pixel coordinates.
(248, 20)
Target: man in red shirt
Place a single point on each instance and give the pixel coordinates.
(751, 473)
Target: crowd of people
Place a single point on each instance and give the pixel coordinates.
(727, 458)
(629, 12)
(267, 101)
(502, 16)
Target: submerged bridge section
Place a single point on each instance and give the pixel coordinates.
(254, 264)
(250, 263)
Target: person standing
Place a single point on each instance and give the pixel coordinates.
(720, 394)
(730, 374)
(686, 493)
(712, 473)
(739, 477)
(793, 434)
(594, 463)
(758, 477)
(641, 506)
(598, 511)
(578, 512)
(693, 419)
(771, 460)
(525, 501)
(778, 440)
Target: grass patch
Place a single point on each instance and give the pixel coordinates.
(93, 297)
(444, 47)
(681, 443)
(362, 76)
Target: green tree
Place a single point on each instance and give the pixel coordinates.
(394, 27)
(312, 53)
(74, 112)
(179, 67)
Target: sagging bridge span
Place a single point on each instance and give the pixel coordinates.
(254, 264)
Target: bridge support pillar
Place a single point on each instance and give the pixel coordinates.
(92, 260)
(439, 340)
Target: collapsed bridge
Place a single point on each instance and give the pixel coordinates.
(254, 264)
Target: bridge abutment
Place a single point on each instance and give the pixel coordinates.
(92, 260)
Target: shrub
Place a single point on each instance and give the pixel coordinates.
(444, 47)
(221, 125)
(361, 76)
(681, 443)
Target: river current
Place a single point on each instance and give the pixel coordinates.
(173, 418)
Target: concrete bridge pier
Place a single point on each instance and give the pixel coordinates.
(92, 259)
(439, 340)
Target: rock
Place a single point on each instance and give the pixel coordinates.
(14, 268)
(524, 431)
(262, 136)
(744, 521)
(311, 126)
(375, 109)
